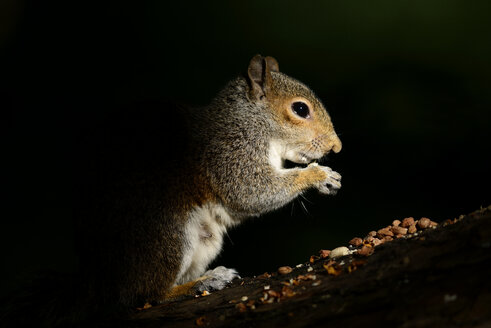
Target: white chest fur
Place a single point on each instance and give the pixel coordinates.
(203, 240)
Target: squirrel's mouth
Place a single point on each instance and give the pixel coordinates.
(306, 159)
(303, 162)
(288, 157)
(287, 164)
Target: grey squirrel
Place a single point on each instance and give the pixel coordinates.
(152, 221)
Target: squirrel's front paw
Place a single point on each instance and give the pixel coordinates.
(216, 279)
(331, 184)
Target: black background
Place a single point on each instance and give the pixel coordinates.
(407, 84)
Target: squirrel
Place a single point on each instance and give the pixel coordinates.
(152, 221)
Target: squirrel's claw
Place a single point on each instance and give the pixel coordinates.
(332, 184)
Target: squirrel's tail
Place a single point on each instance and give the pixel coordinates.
(49, 300)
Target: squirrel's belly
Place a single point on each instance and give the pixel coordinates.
(205, 226)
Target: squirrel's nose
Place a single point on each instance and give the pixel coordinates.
(335, 144)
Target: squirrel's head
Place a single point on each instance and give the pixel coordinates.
(306, 132)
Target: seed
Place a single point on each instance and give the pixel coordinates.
(424, 223)
(399, 230)
(284, 270)
(412, 228)
(407, 222)
(339, 251)
(387, 238)
(376, 241)
(356, 241)
(241, 307)
(365, 251)
(385, 232)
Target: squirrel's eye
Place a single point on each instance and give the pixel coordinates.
(301, 109)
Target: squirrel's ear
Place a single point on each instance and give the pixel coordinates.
(259, 73)
(272, 64)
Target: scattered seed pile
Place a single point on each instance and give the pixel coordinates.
(333, 262)
(407, 228)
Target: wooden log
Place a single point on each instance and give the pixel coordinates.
(440, 277)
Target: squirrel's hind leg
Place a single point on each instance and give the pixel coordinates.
(212, 280)
(216, 279)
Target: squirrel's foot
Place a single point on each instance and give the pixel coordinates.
(332, 183)
(216, 279)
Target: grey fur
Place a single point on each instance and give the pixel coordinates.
(233, 135)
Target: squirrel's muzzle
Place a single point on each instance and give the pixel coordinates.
(335, 144)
